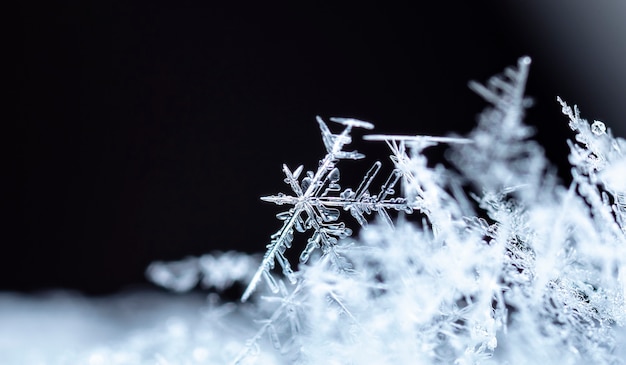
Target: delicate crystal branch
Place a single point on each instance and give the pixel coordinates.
(287, 308)
(502, 156)
(598, 160)
(423, 187)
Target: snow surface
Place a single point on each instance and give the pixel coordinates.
(132, 328)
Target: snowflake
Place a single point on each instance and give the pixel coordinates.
(317, 201)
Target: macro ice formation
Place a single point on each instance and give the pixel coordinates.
(489, 260)
(485, 260)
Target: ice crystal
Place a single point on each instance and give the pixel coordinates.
(502, 158)
(598, 161)
(485, 258)
(317, 201)
(535, 274)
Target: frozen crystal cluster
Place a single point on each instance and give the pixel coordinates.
(485, 258)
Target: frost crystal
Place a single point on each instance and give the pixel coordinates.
(502, 158)
(317, 201)
(491, 261)
(598, 161)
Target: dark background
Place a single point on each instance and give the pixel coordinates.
(149, 130)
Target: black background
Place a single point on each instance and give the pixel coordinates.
(148, 131)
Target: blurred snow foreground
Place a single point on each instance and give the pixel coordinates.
(487, 259)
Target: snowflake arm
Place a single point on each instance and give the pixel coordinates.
(598, 167)
(502, 154)
(422, 189)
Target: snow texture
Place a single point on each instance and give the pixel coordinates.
(486, 260)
